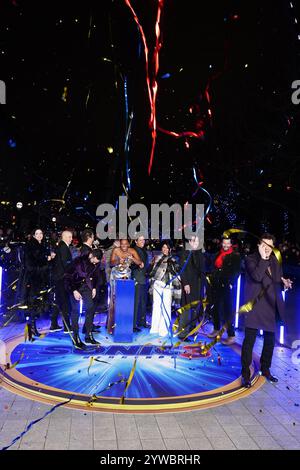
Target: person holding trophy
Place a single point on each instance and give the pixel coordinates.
(121, 259)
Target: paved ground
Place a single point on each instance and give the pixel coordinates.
(267, 419)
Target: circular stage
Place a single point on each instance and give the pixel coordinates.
(165, 378)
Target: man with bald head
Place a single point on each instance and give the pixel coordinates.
(62, 261)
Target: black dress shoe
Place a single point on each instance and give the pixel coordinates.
(67, 328)
(246, 383)
(55, 328)
(136, 329)
(78, 343)
(95, 329)
(89, 339)
(269, 376)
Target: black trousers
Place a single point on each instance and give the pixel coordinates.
(63, 302)
(34, 304)
(140, 305)
(247, 348)
(223, 309)
(90, 307)
(188, 320)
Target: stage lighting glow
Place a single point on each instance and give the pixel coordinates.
(1, 274)
(261, 332)
(281, 335)
(19, 205)
(80, 306)
(53, 219)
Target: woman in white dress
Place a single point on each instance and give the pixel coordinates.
(166, 286)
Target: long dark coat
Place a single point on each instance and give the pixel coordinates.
(34, 274)
(192, 275)
(263, 315)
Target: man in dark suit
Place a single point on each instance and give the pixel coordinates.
(62, 261)
(192, 260)
(88, 239)
(81, 281)
(264, 281)
(223, 279)
(139, 275)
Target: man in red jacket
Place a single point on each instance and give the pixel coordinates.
(227, 270)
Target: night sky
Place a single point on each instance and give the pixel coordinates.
(75, 79)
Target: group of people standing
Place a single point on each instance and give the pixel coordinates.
(170, 279)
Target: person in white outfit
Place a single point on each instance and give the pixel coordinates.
(166, 286)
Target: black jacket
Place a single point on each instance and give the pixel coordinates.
(81, 273)
(85, 249)
(194, 268)
(34, 273)
(62, 261)
(139, 274)
(193, 265)
(258, 277)
(229, 272)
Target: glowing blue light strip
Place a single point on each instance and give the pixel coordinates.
(281, 331)
(237, 303)
(1, 273)
(281, 335)
(80, 306)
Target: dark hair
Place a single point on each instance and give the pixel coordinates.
(86, 234)
(35, 229)
(97, 253)
(167, 243)
(226, 238)
(267, 236)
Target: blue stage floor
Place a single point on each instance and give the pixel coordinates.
(51, 367)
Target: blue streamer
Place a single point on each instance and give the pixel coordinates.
(32, 423)
(188, 258)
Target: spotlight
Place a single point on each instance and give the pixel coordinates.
(281, 335)
(19, 205)
(53, 219)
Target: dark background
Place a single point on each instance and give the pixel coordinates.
(247, 53)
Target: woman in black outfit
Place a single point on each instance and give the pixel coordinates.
(36, 268)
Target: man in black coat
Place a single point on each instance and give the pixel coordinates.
(192, 260)
(88, 239)
(227, 269)
(63, 259)
(264, 282)
(139, 275)
(81, 280)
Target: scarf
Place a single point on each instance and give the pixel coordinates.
(220, 258)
